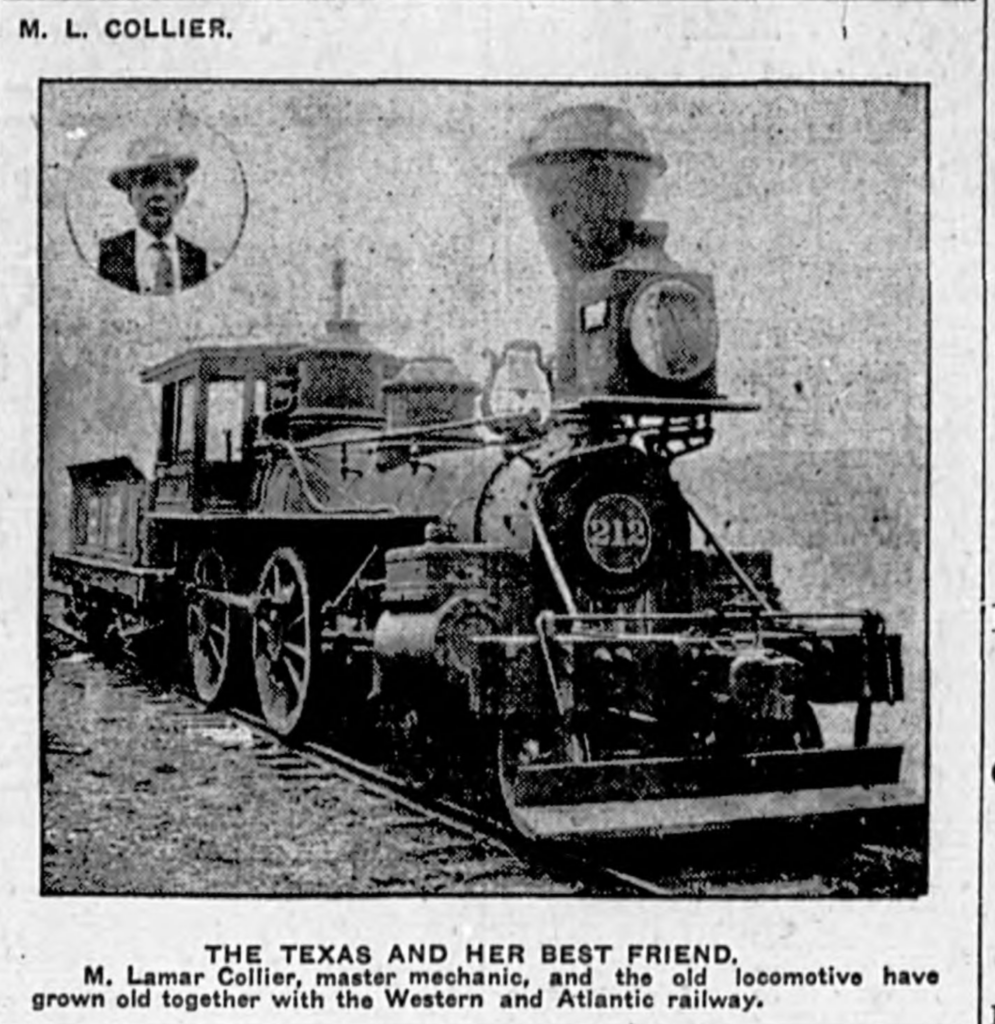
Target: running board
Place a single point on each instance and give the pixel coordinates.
(739, 775)
(688, 815)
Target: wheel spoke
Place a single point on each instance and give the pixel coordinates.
(301, 652)
(276, 692)
(296, 679)
(210, 628)
(282, 641)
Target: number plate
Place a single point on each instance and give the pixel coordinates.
(617, 533)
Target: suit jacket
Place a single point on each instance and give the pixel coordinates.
(117, 261)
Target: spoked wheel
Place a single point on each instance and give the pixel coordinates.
(209, 626)
(281, 641)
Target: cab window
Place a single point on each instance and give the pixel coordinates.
(167, 431)
(93, 521)
(225, 416)
(115, 508)
(259, 402)
(186, 408)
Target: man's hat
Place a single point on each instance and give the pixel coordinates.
(151, 151)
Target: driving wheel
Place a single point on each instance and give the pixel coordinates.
(281, 641)
(209, 625)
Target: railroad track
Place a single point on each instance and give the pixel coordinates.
(464, 829)
(432, 844)
(653, 875)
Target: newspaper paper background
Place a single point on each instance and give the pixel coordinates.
(867, 88)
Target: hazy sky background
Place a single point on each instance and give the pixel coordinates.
(807, 205)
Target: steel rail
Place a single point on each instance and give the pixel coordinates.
(454, 816)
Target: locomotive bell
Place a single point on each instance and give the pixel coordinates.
(587, 171)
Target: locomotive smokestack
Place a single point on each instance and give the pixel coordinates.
(587, 171)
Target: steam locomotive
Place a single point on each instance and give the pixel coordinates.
(357, 532)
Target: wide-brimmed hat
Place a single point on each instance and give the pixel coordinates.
(151, 151)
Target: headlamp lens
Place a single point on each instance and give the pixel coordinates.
(673, 329)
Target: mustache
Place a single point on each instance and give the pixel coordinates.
(158, 213)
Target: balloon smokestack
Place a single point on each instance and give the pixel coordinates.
(586, 171)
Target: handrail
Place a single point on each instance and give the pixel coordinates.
(426, 430)
(333, 605)
(313, 500)
(710, 615)
(554, 566)
(563, 696)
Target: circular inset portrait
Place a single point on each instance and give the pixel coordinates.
(156, 210)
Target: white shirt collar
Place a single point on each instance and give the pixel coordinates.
(147, 254)
(144, 241)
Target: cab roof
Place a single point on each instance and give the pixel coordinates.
(214, 361)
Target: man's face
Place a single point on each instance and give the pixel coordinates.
(157, 193)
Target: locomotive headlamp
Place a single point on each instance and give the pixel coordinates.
(673, 329)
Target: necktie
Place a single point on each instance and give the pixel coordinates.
(163, 270)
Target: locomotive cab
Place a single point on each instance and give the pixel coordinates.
(216, 401)
(211, 403)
